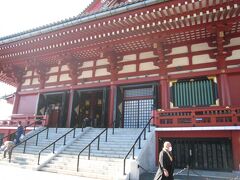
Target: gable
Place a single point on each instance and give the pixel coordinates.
(98, 5)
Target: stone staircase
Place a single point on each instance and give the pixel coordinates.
(106, 163)
(29, 158)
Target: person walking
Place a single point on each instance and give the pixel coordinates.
(165, 170)
(19, 132)
(7, 148)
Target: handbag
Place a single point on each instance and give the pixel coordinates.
(21, 137)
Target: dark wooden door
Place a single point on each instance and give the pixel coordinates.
(202, 153)
(54, 118)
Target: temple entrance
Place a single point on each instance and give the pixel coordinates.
(137, 112)
(89, 108)
(135, 104)
(55, 106)
(202, 153)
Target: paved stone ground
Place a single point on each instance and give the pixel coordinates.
(199, 175)
(9, 172)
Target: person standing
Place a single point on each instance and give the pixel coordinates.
(165, 170)
(19, 132)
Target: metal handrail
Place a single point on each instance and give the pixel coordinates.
(139, 166)
(25, 140)
(34, 127)
(83, 125)
(25, 127)
(137, 140)
(89, 146)
(56, 130)
(113, 127)
(54, 143)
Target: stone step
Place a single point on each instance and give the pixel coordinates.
(101, 146)
(97, 152)
(5, 162)
(85, 160)
(105, 163)
(62, 157)
(93, 154)
(85, 164)
(99, 175)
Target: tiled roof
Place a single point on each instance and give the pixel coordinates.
(67, 22)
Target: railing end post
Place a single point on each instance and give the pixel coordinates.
(106, 134)
(124, 164)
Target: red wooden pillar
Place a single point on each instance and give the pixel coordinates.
(16, 100)
(236, 149)
(221, 56)
(157, 135)
(70, 104)
(16, 103)
(162, 62)
(164, 93)
(224, 91)
(112, 95)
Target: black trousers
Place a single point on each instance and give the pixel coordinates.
(9, 153)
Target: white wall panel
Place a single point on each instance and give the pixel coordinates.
(64, 68)
(179, 50)
(128, 68)
(146, 55)
(201, 59)
(234, 42)
(147, 66)
(86, 74)
(52, 79)
(201, 47)
(26, 82)
(87, 64)
(64, 77)
(53, 70)
(183, 61)
(35, 81)
(102, 72)
(131, 57)
(235, 55)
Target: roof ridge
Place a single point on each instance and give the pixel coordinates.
(87, 7)
(66, 20)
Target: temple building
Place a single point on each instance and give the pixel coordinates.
(120, 62)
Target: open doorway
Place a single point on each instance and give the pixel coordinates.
(89, 108)
(55, 106)
(135, 104)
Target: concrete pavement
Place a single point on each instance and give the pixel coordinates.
(9, 172)
(198, 175)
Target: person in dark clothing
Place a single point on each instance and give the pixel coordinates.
(165, 170)
(87, 122)
(19, 132)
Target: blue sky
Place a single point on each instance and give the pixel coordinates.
(21, 15)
